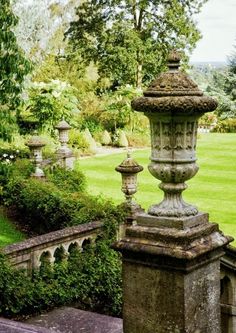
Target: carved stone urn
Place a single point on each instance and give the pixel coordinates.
(173, 103)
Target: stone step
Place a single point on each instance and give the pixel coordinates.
(71, 320)
(10, 326)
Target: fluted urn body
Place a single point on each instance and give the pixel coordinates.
(63, 129)
(173, 103)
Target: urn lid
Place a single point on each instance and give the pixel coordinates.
(63, 125)
(174, 92)
(173, 82)
(129, 165)
(35, 141)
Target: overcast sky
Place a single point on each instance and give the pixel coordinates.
(217, 22)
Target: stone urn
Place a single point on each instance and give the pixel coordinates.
(36, 145)
(173, 103)
(63, 128)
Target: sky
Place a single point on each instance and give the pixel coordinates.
(217, 23)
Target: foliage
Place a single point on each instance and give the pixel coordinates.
(13, 69)
(129, 40)
(55, 204)
(117, 111)
(77, 140)
(208, 119)
(91, 279)
(68, 180)
(231, 78)
(92, 146)
(225, 126)
(12, 166)
(216, 83)
(49, 103)
(138, 138)
(120, 139)
(39, 23)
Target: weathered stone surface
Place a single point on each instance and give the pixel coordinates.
(171, 258)
(170, 246)
(178, 223)
(228, 291)
(10, 326)
(171, 302)
(70, 320)
(171, 276)
(173, 103)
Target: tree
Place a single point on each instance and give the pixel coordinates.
(129, 40)
(230, 86)
(39, 23)
(13, 68)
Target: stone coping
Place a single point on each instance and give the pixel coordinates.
(71, 320)
(229, 259)
(52, 236)
(10, 326)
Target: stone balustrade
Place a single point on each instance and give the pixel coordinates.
(29, 254)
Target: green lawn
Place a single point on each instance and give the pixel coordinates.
(8, 233)
(213, 189)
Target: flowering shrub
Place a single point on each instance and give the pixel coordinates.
(48, 103)
(6, 162)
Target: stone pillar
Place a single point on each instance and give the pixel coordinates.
(171, 258)
(64, 153)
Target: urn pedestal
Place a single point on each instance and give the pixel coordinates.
(171, 258)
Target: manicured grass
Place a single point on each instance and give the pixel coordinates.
(213, 189)
(8, 233)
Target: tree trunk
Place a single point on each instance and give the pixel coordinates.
(139, 75)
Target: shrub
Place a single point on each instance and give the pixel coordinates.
(43, 207)
(226, 126)
(11, 167)
(92, 146)
(106, 138)
(121, 139)
(77, 140)
(48, 103)
(68, 180)
(91, 279)
(138, 139)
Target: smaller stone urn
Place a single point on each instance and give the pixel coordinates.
(35, 145)
(129, 169)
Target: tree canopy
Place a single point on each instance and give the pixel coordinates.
(129, 40)
(13, 68)
(230, 86)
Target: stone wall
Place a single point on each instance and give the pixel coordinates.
(228, 290)
(29, 253)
